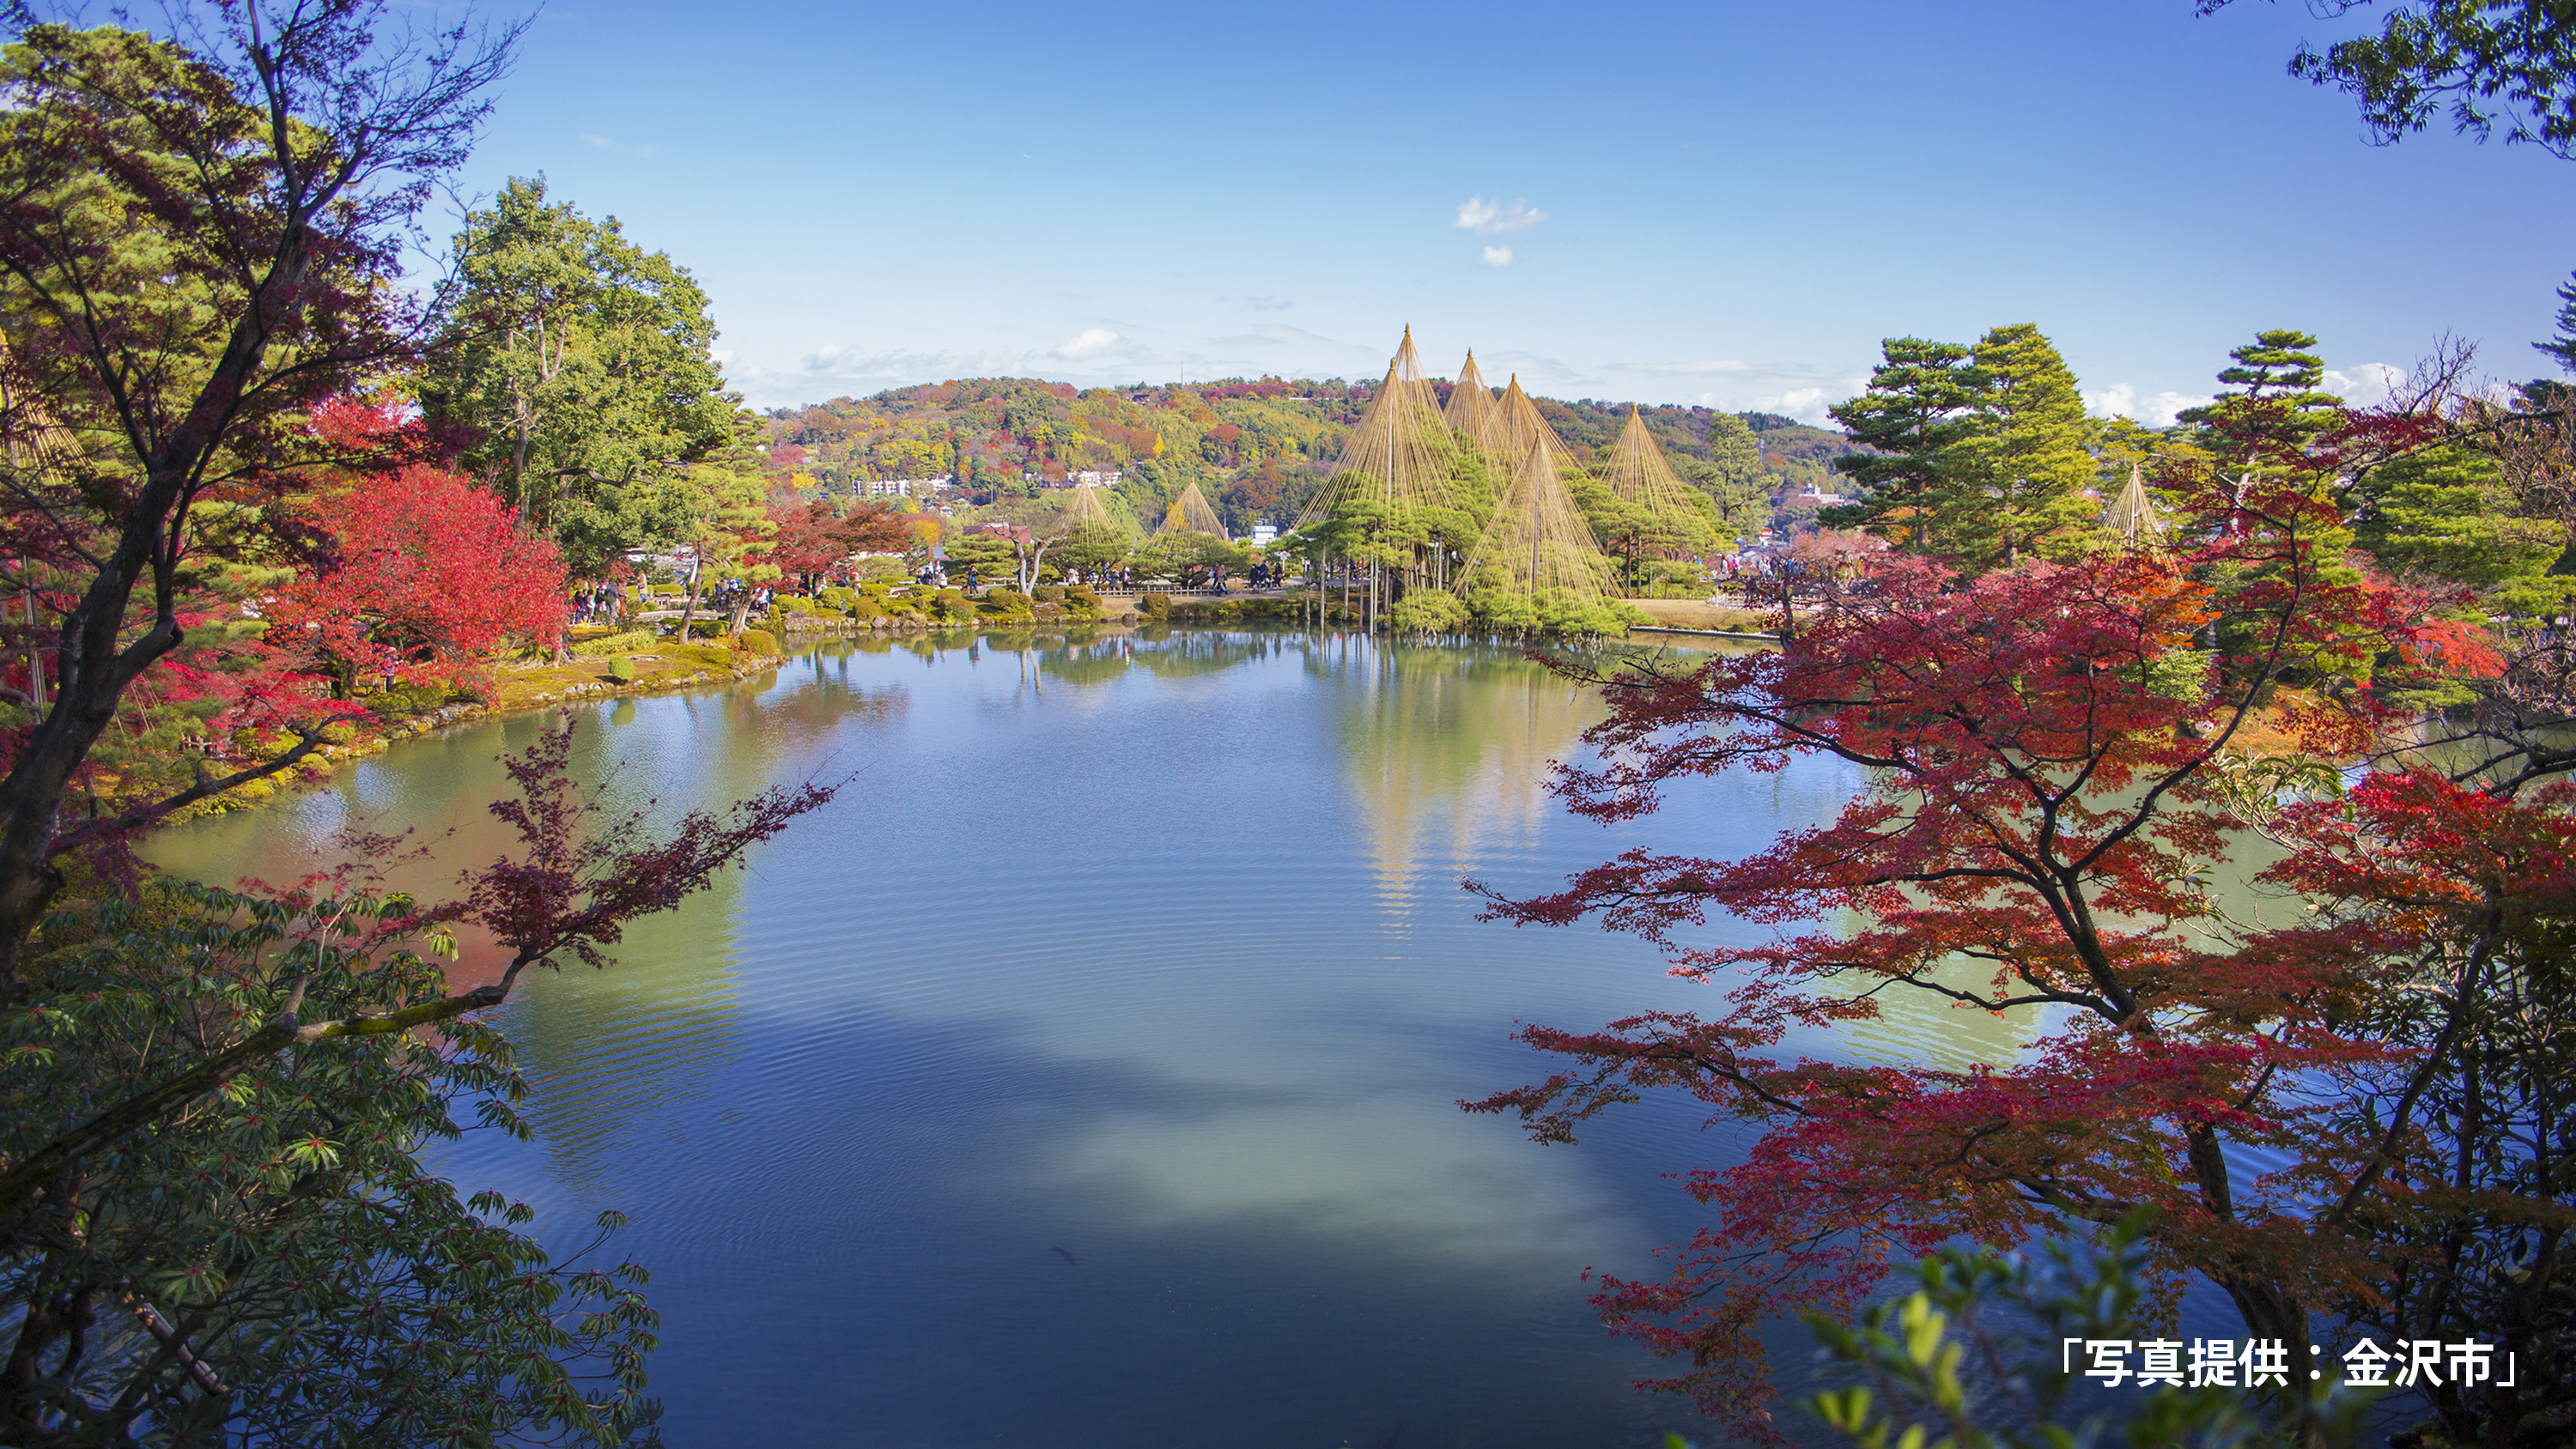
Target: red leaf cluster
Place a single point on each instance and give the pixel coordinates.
(584, 872)
(423, 572)
(2043, 803)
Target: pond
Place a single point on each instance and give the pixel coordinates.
(1086, 1073)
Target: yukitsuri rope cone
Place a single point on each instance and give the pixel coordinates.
(1537, 565)
(1512, 426)
(1470, 404)
(2131, 517)
(1639, 473)
(1392, 458)
(1192, 513)
(1085, 507)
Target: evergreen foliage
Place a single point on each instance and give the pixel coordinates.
(1005, 438)
(276, 1266)
(2561, 347)
(1981, 454)
(2027, 462)
(580, 362)
(2275, 376)
(1918, 411)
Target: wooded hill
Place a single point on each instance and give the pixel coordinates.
(1258, 448)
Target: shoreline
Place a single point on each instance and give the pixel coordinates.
(589, 685)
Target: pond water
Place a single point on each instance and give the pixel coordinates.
(1085, 1074)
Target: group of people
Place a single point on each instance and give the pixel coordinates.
(601, 604)
(730, 592)
(606, 603)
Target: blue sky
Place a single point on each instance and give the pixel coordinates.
(1728, 203)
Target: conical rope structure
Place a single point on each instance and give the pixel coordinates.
(1192, 513)
(1537, 564)
(1392, 457)
(1085, 507)
(38, 442)
(1639, 473)
(1508, 430)
(2131, 517)
(1470, 404)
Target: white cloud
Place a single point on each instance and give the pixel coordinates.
(1268, 304)
(1489, 218)
(1092, 342)
(1496, 257)
(1806, 404)
(2121, 400)
(1800, 390)
(2365, 386)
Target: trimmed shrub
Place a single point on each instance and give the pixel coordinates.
(626, 643)
(706, 654)
(622, 670)
(1047, 594)
(1157, 607)
(404, 700)
(756, 641)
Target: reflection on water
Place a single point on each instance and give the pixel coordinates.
(1084, 1074)
(1449, 741)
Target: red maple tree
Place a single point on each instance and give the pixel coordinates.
(422, 574)
(2452, 900)
(2052, 763)
(813, 543)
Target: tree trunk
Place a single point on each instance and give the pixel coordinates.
(35, 657)
(94, 674)
(689, 611)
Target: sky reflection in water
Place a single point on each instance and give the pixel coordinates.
(1085, 1074)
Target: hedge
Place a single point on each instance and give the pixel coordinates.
(626, 643)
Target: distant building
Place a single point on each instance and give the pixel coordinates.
(1821, 498)
(1263, 533)
(902, 487)
(1094, 478)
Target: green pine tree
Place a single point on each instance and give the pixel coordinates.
(2563, 346)
(2276, 377)
(1922, 403)
(2028, 463)
(2445, 514)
